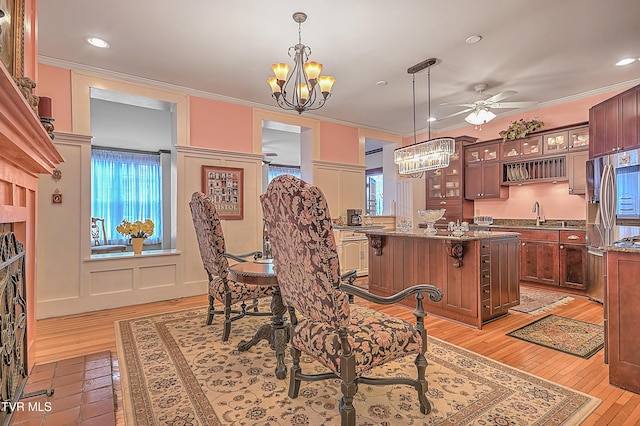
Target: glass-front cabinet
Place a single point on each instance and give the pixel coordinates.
(555, 143)
(447, 182)
(521, 147)
(579, 138)
(476, 154)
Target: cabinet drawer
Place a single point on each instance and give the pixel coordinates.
(538, 235)
(485, 294)
(573, 237)
(485, 248)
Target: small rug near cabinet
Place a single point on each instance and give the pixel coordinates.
(176, 370)
(563, 334)
(538, 302)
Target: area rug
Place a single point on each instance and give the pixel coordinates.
(176, 371)
(538, 302)
(563, 334)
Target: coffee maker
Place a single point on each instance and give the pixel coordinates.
(354, 217)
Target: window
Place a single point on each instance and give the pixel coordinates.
(126, 185)
(374, 187)
(275, 170)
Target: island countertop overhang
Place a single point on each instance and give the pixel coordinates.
(443, 234)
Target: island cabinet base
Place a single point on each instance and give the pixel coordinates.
(479, 277)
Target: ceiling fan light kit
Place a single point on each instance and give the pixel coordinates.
(480, 117)
(428, 155)
(299, 91)
(480, 111)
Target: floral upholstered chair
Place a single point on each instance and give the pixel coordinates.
(215, 262)
(346, 339)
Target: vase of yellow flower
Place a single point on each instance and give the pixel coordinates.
(137, 231)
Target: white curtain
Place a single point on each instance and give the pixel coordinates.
(126, 185)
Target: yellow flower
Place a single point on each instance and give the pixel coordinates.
(136, 229)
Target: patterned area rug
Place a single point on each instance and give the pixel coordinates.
(538, 302)
(176, 371)
(567, 335)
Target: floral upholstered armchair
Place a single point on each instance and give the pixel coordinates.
(346, 339)
(215, 261)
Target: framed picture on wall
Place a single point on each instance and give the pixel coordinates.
(224, 185)
(12, 36)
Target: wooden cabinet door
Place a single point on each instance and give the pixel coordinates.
(473, 182)
(577, 171)
(629, 119)
(350, 255)
(573, 266)
(491, 180)
(364, 257)
(505, 280)
(435, 186)
(623, 317)
(603, 128)
(539, 262)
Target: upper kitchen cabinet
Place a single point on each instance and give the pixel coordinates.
(629, 121)
(558, 143)
(482, 172)
(579, 139)
(511, 150)
(486, 152)
(445, 187)
(614, 125)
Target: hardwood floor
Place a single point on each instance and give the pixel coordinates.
(70, 336)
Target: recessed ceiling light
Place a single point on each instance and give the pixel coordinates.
(473, 39)
(431, 119)
(97, 42)
(625, 61)
(381, 83)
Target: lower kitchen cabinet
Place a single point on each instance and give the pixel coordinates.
(622, 319)
(539, 262)
(352, 251)
(573, 259)
(553, 258)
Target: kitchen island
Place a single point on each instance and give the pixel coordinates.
(477, 272)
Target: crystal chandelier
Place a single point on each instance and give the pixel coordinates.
(299, 91)
(428, 155)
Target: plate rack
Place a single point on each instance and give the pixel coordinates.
(543, 169)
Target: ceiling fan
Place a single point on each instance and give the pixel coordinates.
(480, 111)
(265, 155)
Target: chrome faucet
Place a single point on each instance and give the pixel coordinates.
(536, 210)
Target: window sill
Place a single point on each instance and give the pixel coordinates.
(130, 255)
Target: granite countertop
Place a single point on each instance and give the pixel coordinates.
(621, 249)
(550, 224)
(444, 234)
(357, 228)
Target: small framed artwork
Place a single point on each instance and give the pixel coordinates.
(224, 185)
(12, 36)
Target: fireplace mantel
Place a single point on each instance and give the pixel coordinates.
(23, 141)
(26, 152)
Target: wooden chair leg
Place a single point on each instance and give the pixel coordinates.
(210, 313)
(349, 388)
(227, 316)
(422, 386)
(294, 382)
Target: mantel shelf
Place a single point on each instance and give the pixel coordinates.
(23, 141)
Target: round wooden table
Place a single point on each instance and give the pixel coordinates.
(277, 332)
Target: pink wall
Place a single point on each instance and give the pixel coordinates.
(55, 83)
(220, 125)
(30, 39)
(554, 199)
(338, 143)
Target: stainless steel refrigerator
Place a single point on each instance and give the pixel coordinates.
(613, 211)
